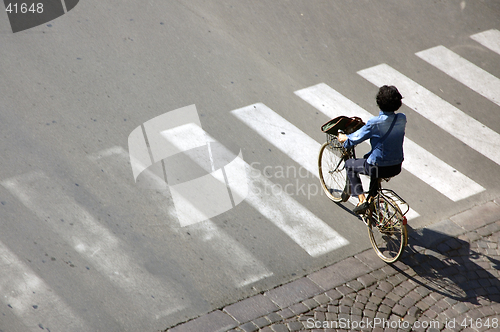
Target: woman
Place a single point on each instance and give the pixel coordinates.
(386, 133)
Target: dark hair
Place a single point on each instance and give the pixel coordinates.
(389, 98)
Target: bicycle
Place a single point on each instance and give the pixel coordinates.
(384, 218)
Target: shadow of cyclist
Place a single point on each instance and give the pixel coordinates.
(449, 266)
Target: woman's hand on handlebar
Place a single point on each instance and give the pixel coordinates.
(342, 137)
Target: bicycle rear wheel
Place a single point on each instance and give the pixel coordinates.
(332, 173)
(387, 229)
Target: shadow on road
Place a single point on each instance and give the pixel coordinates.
(448, 266)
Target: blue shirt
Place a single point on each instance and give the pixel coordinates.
(390, 152)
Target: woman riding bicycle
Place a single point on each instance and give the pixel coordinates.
(386, 133)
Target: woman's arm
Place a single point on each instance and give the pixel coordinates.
(357, 137)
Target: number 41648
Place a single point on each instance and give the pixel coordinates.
(24, 8)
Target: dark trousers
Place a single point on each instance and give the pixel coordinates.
(355, 167)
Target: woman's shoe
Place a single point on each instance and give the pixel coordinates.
(359, 209)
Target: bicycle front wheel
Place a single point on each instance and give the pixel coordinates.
(387, 229)
(332, 173)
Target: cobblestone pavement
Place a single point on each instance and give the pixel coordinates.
(447, 280)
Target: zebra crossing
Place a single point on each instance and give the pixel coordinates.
(448, 117)
(463, 71)
(81, 231)
(315, 237)
(418, 161)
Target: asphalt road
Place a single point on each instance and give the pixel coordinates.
(84, 247)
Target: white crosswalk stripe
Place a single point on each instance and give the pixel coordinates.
(285, 136)
(245, 268)
(300, 224)
(418, 161)
(460, 125)
(32, 300)
(47, 200)
(489, 39)
(463, 71)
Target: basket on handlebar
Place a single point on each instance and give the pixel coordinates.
(342, 123)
